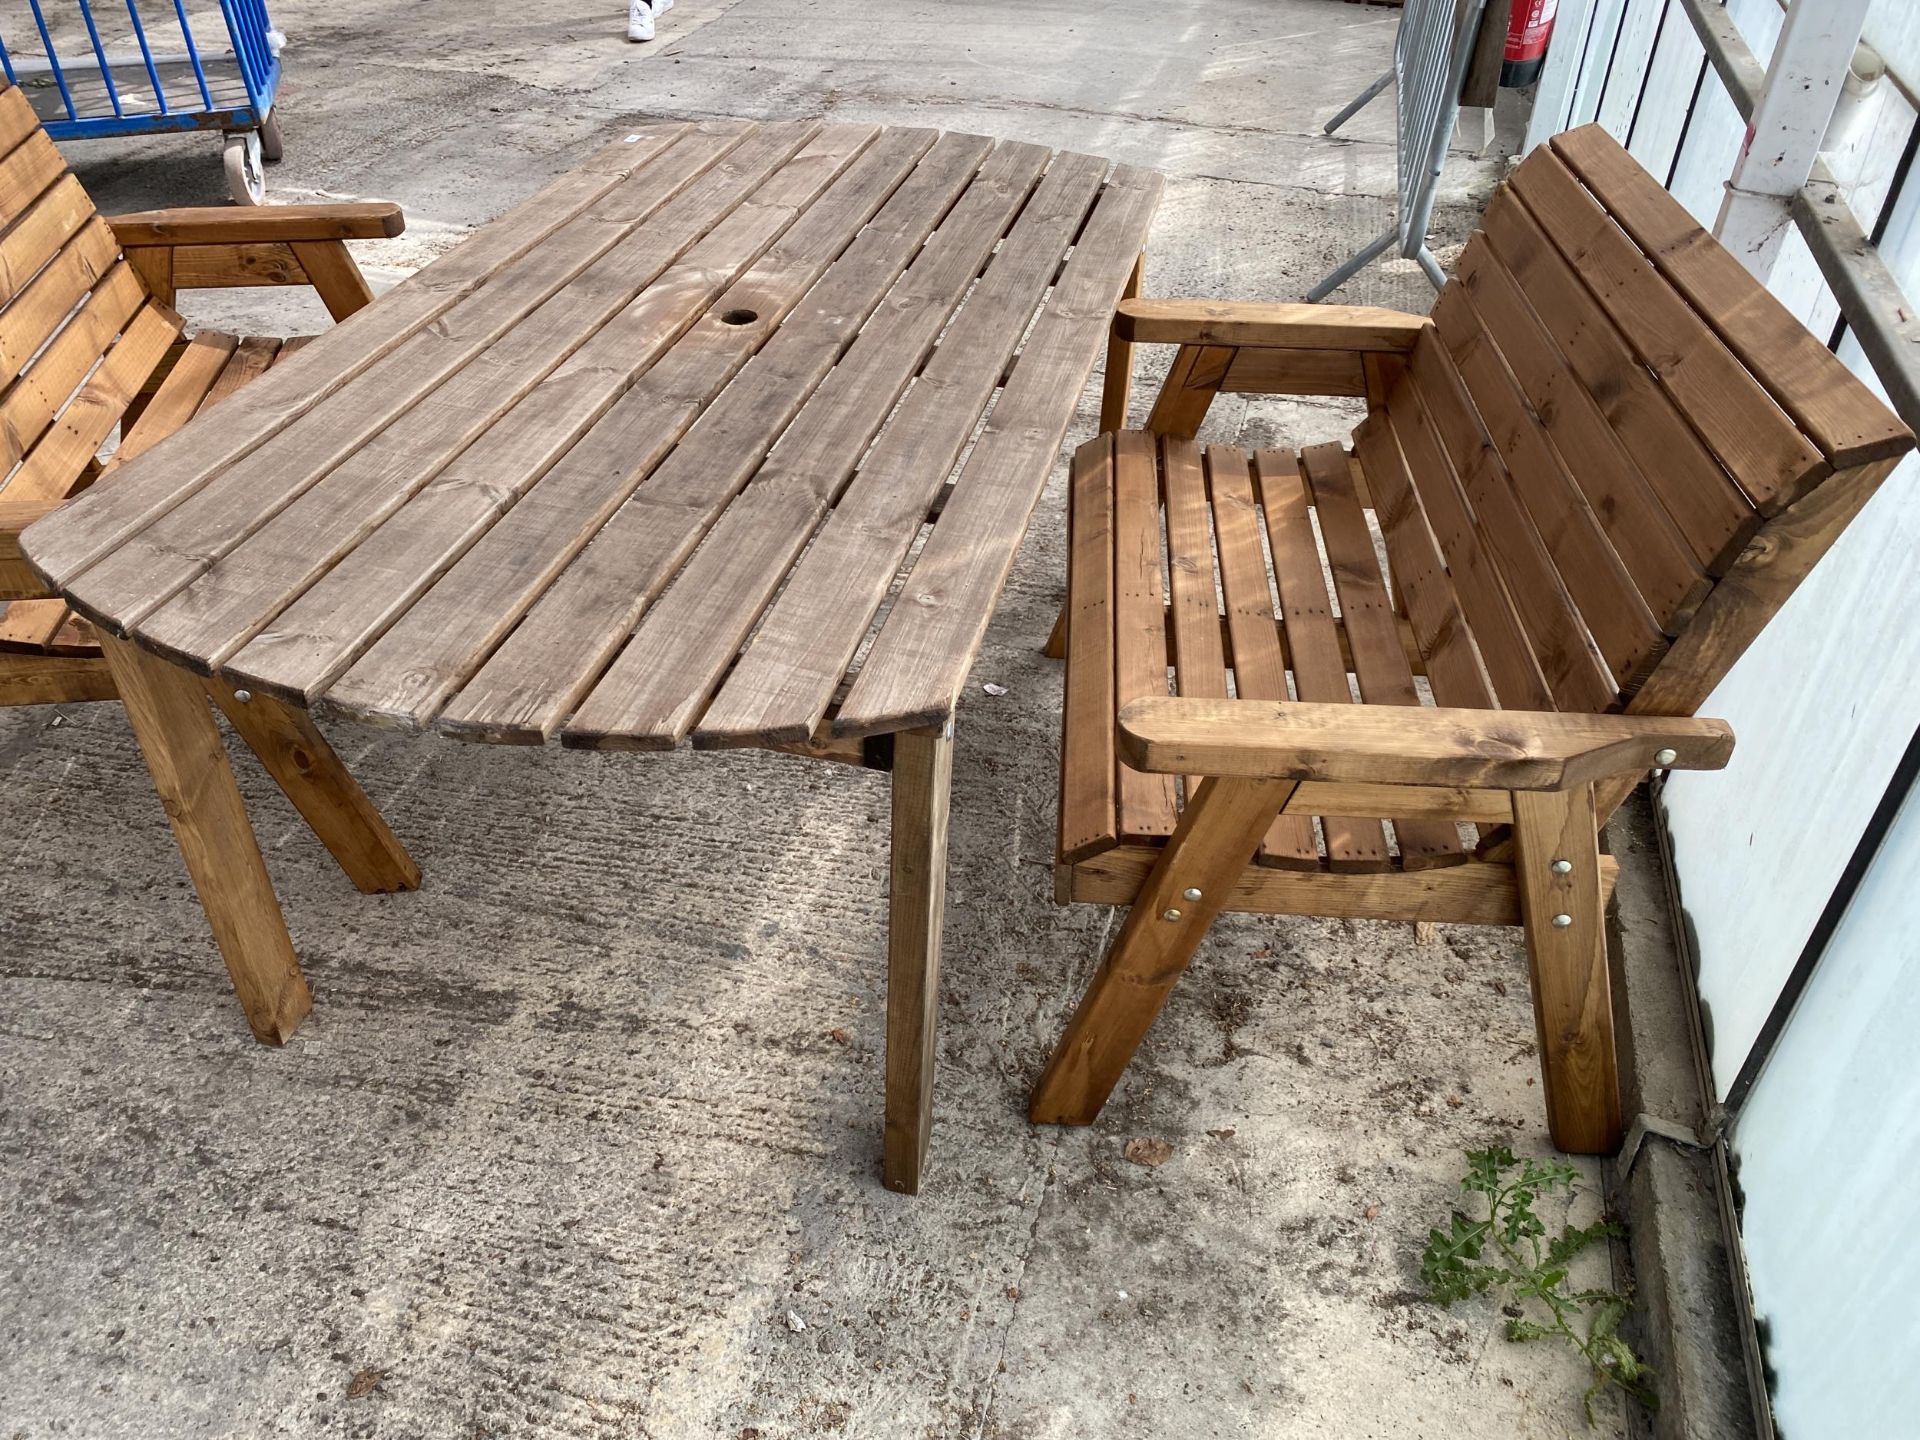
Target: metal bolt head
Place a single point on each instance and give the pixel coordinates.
(243, 696)
(1562, 867)
(1191, 893)
(1664, 758)
(1169, 914)
(1561, 922)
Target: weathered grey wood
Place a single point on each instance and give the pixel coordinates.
(529, 412)
(782, 686)
(656, 689)
(411, 672)
(310, 494)
(108, 515)
(446, 569)
(530, 686)
(923, 653)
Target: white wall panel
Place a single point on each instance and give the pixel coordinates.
(1673, 76)
(1828, 1149)
(1822, 707)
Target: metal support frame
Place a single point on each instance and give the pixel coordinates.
(1786, 127)
(1431, 52)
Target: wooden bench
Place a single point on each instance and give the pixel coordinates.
(90, 348)
(1457, 641)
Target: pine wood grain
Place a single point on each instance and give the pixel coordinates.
(173, 722)
(1088, 814)
(1253, 626)
(653, 694)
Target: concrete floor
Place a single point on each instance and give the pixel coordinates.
(581, 1140)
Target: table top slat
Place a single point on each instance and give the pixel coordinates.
(529, 686)
(404, 419)
(530, 395)
(651, 456)
(925, 650)
(97, 522)
(780, 690)
(654, 692)
(335, 623)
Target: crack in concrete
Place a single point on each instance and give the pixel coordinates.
(985, 1407)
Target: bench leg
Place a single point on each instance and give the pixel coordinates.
(321, 788)
(175, 727)
(1216, 839)
(916, 908)
(1557, 862)
(1187, 393)
(331, 270)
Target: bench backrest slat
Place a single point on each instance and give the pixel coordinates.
(79, 334)
(1613, 432)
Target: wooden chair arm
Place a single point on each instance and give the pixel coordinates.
(17, 580)
(1271, 326)
(259, 224)
(1410, 745)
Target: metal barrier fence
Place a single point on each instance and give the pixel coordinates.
(1430, 57)
(137, 67)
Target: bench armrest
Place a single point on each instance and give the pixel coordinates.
(1275, 326)
(17, 580)
(1411, 745)
(259, 224)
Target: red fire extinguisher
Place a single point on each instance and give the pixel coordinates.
(1529, 29)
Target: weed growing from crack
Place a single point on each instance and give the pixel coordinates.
(1507, 1253)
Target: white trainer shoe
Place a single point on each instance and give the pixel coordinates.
(639, 20)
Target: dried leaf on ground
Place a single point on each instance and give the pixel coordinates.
(365, 1382)
(1148, 1150)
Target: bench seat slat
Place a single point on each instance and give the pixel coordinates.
(1089, 777)
(1313, 644)
(1373, 632)
(1147, 802)
(1253, 627)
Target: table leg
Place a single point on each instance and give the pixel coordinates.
(1116, 383)
(174, 724)
(916, 906)
(322, 789)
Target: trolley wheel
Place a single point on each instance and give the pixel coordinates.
(272, 142)
(246, 183)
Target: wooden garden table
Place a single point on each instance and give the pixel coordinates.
(649, 459)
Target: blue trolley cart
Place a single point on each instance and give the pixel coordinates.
(134, 67)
